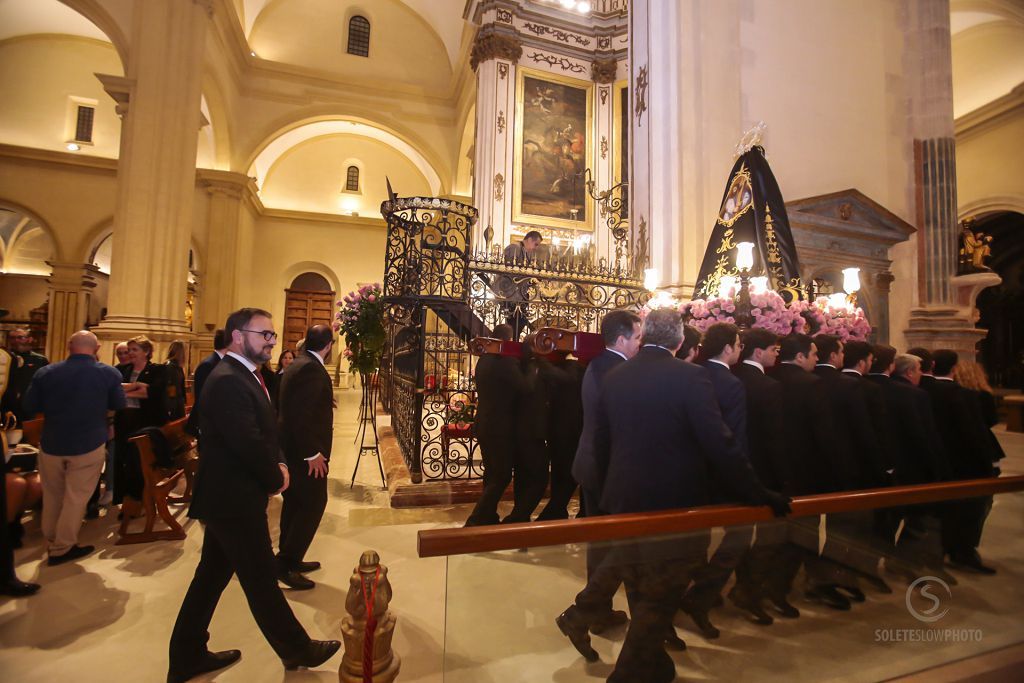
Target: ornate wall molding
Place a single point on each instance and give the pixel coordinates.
(495, 45)
(604, 147)
(501, 121)
(603, 94)
(502, 70)
(564, 63)
(640, 105)
(603, 70)
(499, 187)
(504, 16)
(557, 34)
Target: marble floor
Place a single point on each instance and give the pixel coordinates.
(468, 619)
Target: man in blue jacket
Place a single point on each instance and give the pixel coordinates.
(76, 396)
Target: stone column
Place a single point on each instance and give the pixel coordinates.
(494, 56)
(71, 286)
(160, 103)
(219, 273)
(945, 317)
(685, 117)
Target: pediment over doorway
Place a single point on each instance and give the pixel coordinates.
(848, 214)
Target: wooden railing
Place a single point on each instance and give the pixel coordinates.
(461, 541)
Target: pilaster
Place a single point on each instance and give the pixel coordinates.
(71, 286)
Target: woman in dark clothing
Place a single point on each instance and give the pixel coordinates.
(175, 368)
(145, 386)
(972, 376)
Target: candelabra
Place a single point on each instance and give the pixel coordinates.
(744, 262)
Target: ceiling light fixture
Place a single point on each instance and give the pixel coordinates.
(252, 53)
(72, 147)
(583, 7)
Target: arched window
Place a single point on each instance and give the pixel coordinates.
(352, 179)
(359, 36)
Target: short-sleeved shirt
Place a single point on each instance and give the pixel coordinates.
(74, 396)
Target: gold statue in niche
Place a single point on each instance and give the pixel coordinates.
(975, 248)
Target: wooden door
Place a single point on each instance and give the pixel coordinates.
(303, 308)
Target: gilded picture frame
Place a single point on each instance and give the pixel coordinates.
(554, 144)
(620, 141)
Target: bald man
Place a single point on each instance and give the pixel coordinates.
(77, 397)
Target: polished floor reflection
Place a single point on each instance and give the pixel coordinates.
(108, 617)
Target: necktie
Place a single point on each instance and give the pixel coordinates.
(259, 378)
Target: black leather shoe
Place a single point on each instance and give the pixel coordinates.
(703, 623)
(784, 608)
(612, 619)
(828, 596)
(573, 627)
(970, 562)
(211, 662)
(753, 609)
(18, 589)
(315, 654)
(852, 592)
(295, 580)
(674, 642)
(305, 567)
(76, 552)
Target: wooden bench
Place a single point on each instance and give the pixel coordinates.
(1014, 407)
(158, 484)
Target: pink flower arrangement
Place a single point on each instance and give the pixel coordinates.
(360, 321)
(771, 312)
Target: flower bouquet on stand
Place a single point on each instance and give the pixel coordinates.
(361, 322)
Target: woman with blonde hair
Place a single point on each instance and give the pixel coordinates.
(175, 368)
(971, 375)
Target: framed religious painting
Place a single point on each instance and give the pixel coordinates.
(553, 149)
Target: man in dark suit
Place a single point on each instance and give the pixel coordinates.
(809, 437)
(565, 423)
(306, 421)
(499, 387)
(771, 463)
(919, 459)
(592, 609)
(241, 466)
(967, 441)
(660, 431)
(927, 363)
(532, 456)
(203, 370)
(721, 347)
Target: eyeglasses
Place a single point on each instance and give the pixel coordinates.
(267, 335)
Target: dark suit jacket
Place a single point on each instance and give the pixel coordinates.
(499, 388)
(239, 464)
(807, 432)
(962, 429)
(874, 396)
(306, 410)
(154, 408)
(856, 441)
(661, 432)
(564, 380)
(919, 455)
(765, 441)
(732, 402)
(199, 378)
(585, 468)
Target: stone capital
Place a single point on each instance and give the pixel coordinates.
(120, 90)
(603, 70)
(72, 276)
(491, 45)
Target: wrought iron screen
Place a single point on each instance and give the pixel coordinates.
(440, 294)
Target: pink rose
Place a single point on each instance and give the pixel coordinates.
(371, 298)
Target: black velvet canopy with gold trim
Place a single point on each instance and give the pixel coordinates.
(752, 210)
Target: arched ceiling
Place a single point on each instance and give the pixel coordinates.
(988, 51)
(444, 17)
(297, 136)
(26, 17)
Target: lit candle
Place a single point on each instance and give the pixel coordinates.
(726, 287)
(745, 255)
(651, 279)
(851, 280)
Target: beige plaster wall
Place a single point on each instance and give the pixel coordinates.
(20, 293)
(990, 165)
(37, 75)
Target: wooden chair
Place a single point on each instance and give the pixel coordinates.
(158, 484)
(32, 431)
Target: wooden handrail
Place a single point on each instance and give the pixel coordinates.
(461, 541)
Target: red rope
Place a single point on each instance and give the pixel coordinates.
(371, 626)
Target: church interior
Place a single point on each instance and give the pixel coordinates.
(166, 162)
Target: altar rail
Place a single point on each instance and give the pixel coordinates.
(461, 541)
(440, 291)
